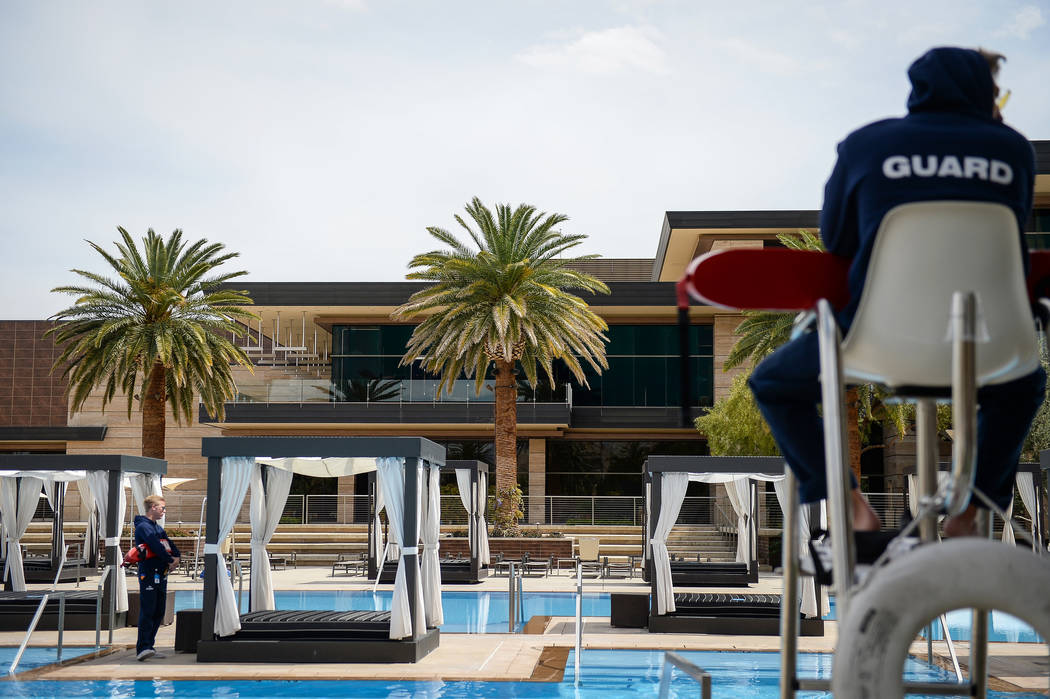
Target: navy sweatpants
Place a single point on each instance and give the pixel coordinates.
(153, 597)
(787, 391)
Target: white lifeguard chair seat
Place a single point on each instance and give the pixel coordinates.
(923, 253)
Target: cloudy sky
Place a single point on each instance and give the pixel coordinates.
(319, 138)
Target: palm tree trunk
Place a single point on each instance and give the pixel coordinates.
(853, 430)
(153, 404)
(506, 437)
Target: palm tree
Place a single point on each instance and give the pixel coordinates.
(506, 304)
(161, 320)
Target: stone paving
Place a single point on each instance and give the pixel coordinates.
(1014, 666)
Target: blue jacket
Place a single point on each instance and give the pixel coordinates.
(150, 533)
(948, 147)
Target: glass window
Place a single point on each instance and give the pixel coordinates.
(643, 368)
(586, 467)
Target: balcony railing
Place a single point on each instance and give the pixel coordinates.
(298, 389)
(184, 510)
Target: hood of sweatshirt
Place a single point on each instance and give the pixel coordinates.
(951, 80)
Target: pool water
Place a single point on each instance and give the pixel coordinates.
(478, 611)
(36, 656)
(1002, 628)
(605, 674)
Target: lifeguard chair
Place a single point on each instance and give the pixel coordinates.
(944, 310)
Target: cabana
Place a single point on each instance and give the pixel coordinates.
(472, 481)
(713, 613)
(266, 635)
(22, 477)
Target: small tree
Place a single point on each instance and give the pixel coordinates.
(735, 427)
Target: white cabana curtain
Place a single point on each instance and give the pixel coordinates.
(87, 511)
(483, 534)
(807, 587)
(1026, 487)
(463, 484)
(738, 488)
(1008, 530)
(269, 495)
(18, 500)
(98, 481)
(739, 492)
(142, 486)
(391, 476)
(672, 494)
(431, 568)
(236, 473)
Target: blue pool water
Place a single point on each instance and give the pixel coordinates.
(37, 657)
(465, 612)
(1002, 627)
(605, 674)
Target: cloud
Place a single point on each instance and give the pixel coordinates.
(609, 51)
(1024, 22)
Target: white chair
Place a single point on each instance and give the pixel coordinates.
(924, 253)
(944, 310)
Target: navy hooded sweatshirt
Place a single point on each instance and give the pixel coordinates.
(949, 146)
(150, 533)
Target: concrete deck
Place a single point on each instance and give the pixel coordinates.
(1014, 666)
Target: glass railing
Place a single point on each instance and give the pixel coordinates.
(321, 390)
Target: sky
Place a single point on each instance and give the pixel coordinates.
(320, 138)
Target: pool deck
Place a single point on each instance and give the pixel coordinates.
(490, 657)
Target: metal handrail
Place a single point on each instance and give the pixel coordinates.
(40, 612)
(579, 619)
(672, 660)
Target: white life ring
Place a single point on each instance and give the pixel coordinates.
(885, 616)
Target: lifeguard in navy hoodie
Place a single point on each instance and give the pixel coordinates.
(952, 145)
(153, 574)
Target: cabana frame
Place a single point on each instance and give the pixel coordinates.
(117, 465)
(479, 501)
(416, 451)
(655, 467)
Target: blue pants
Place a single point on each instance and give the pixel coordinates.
(787, 390)
(153, 597)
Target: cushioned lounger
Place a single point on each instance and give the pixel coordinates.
(721, 574)
(731, 605)
(303, 624)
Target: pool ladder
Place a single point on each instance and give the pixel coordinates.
(61, 594)
(673, 660)
(515, 598)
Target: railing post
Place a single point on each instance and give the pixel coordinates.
(510, 598)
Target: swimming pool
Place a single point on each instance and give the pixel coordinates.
(605, 674)
(478, 611)
(38, 656)
(1002, 628)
